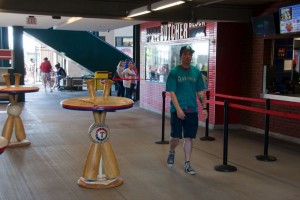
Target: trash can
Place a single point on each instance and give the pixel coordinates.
(100, 77)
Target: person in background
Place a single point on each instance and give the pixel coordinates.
(152, 70)
(59, 74)
(25, 73)
(126, 63)
(46, 69)
(185, 84)
(134, 82)
(128, 74)
(31, 70)
(119, 76)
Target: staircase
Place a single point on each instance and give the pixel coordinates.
(83, 47)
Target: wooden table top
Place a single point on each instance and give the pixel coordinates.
(18, 89)
(97, 104)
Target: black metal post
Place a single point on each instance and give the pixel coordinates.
(225, 167)
(207, 137)
(266, 157)
(163, 121)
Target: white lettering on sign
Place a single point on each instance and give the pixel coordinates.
(196, 25)
(172, 31)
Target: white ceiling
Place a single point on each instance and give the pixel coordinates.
(65, 23)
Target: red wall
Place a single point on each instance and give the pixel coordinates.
(229, 66)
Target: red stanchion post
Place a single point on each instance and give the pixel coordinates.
(162, 141)
(225, 167)
(266, 157)
(207, 137)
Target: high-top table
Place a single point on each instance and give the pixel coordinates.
(14, 110)
(3, 144)
(100, 156)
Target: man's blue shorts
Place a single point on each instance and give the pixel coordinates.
(186, 128)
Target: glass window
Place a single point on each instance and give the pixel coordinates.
(124, 41)
(160, 59)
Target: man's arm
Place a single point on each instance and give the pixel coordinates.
(180, 113)
(201, 97)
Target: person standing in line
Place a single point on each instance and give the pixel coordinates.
(46, 69)
(133, 86)
(128, 74)
(185, 84)
(119, 77)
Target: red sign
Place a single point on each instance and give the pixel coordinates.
(5, 54)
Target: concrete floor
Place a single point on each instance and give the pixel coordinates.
(49, 168)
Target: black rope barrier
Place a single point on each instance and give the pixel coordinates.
(207, 137)
(162, 141)
(266, 157)
(225, 167)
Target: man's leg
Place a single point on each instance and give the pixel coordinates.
(187, 147)
(190, 131)
(176, 132)
(173, 144)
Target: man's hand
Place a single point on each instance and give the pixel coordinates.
(180, 114)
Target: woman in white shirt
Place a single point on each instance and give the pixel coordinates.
(119, 77)
(128, 75)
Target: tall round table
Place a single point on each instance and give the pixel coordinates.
(101, 168)
(14, 110)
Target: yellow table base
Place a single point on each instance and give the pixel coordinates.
(100, 183)
(21, 143)
(100, 155)
(14, 123)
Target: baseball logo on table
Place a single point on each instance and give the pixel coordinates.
(99, 133)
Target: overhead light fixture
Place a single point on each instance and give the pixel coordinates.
(68, 21)
(165, 4)
(208, 3)
(139, 11)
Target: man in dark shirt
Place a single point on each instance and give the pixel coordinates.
(59, 74)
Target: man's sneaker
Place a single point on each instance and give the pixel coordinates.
(188, 169)
(170, 160)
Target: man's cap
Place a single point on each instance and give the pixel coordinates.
(186, 48)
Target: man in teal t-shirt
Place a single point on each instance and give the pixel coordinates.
(185, 84)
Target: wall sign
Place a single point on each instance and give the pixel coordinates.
(175, 31)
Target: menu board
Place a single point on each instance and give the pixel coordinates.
(289, 18)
